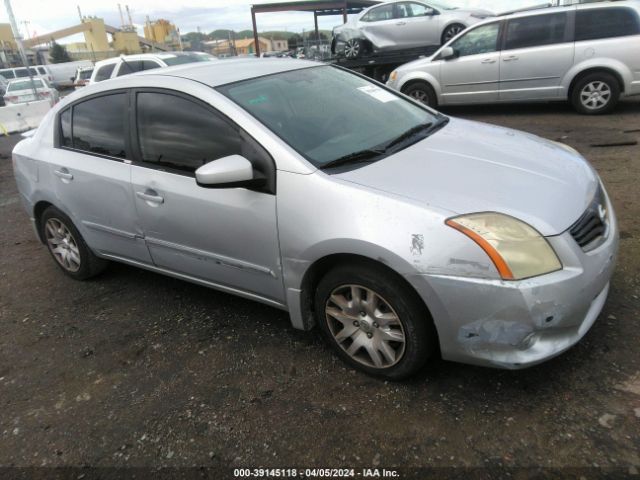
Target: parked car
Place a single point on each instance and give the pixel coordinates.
(21, 91)
(126, 64)
(393, 228)
(402, 24)
(3, 89)
(587, 54)
(82, 77)
(61, 73)
(39, 71)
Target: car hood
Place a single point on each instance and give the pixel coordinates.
(471, 167)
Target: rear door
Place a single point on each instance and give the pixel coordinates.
(421, 26)
(225, 236)
(474, 75)
(381, 27)
(92, 175)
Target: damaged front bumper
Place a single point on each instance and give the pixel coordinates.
(517, 324)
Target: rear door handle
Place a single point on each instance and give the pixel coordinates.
(64, 174)
(488, 60)
(401, 23)
(150, 196)
(510, 58)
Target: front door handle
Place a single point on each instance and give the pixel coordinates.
(510, 58)
(64, 174)
(150, 196)
(488, 60)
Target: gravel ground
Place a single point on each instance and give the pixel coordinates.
(133, 369)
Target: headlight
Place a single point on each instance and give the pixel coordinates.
(516, 249)
(394, 75)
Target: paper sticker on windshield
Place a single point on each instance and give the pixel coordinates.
(378, 93)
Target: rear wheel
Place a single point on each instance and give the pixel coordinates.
(451, 31)
(596, 93)
(67, 247)
(374, 324)
(422, 92)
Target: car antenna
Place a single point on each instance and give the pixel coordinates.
(127, 64)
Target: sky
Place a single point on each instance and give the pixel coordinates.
(48, 15)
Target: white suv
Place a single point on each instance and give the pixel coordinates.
(126, 64)
(587, 54)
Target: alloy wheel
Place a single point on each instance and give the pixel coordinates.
(365, 326)
(452, 32)
(595, 95)
(420, 95)
(62, 245)
(352, 48)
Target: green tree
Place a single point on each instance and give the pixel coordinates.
(58, 53)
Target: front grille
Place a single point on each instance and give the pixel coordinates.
(591, 228)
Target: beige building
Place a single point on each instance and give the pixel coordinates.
(9, 55)
(246, 46)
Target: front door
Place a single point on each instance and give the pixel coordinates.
(225, 236)
(93, 176)
(474, 75)
(537, 54)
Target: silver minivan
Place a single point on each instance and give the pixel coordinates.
(587, 54)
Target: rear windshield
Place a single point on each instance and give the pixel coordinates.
(85, 74)
(24, 85)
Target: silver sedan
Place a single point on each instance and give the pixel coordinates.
(401, 25)
(397, 231)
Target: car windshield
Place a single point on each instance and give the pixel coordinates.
(181, 59)
(328, 114)
(24, 85)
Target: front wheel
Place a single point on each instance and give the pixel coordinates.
(374, 322)
(422, 92)
(596, 94)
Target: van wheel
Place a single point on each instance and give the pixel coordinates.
(375, 325)
(67, 247)
(596, 94)
(422, 92)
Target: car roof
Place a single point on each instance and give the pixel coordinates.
(223, 72)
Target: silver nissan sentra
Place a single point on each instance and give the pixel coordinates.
(401, 233)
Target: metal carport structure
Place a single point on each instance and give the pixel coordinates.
(318, 7)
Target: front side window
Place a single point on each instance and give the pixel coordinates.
(105, 72)
(180, 134)
(379, 14)
(99, 125)
(328, 114)
(536, 31)
(478, 41)
(596, 23)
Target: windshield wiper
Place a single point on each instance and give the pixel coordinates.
(363, 156)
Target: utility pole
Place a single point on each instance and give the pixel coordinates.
(16, 35)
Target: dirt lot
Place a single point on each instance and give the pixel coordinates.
(137, 369)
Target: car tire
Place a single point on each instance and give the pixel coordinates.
(374, 322)
(354, 48)
(422, 92)
(595, 94)
(67, 247)
(450, 32)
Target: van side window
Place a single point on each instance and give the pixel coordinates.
(104, 72)
(595, 23)
(536, 31)
(104, 132)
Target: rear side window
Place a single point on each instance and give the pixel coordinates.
(536, 31)
(105, 72)
(379, 14)
(180, 134)
(132, 66)
(596, 23)
(65, 128)
(99, 125)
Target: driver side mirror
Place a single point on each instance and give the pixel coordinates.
(228, 172)
(448, 53)
(430, 12)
